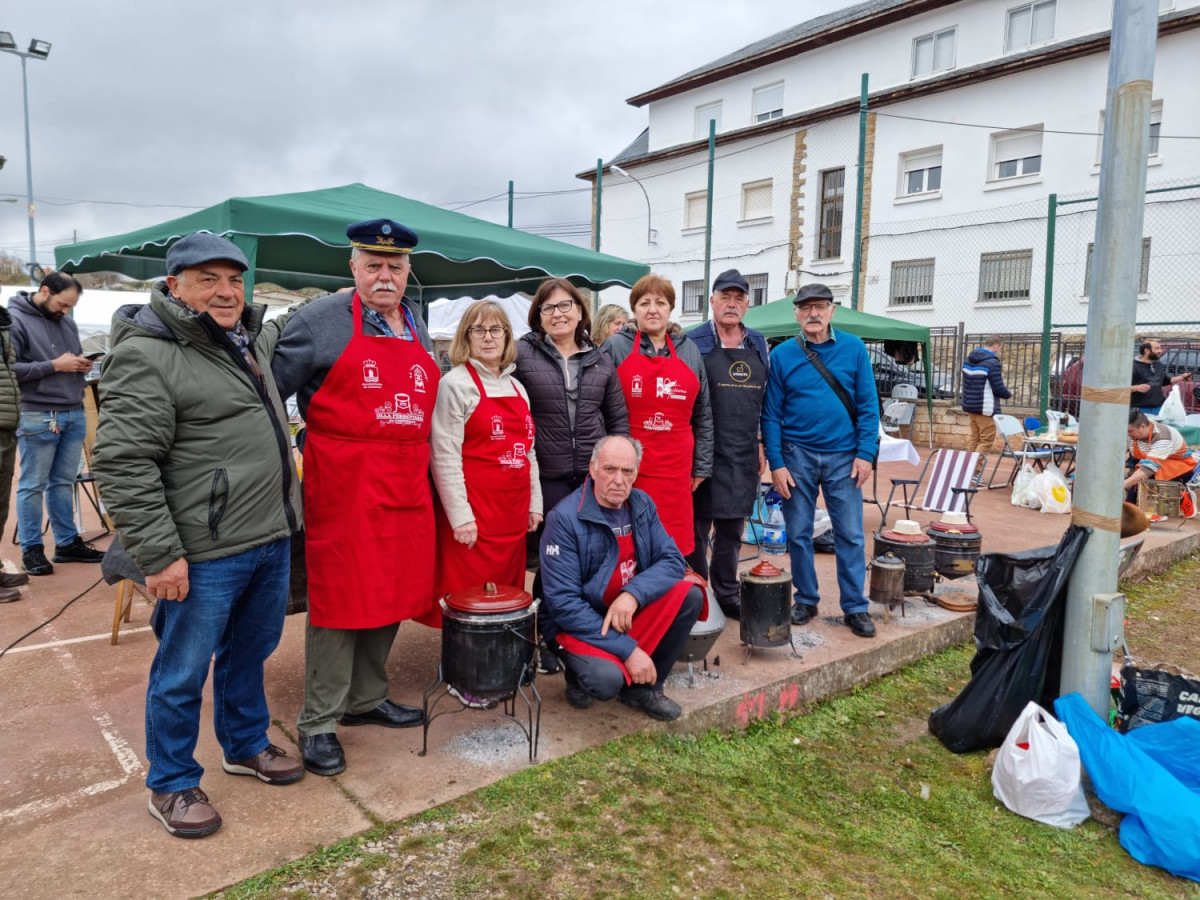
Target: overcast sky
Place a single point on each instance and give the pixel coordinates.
(157, 106)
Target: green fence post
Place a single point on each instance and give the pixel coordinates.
(858, 200)
(1048, 303)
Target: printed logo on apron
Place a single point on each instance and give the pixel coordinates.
(740, 371)
(628, 570)
(670, 389)
(418, 379)
(658, 422)
(400, 411)
(529, 430)
(371, 374)
(514, 458)
(635, 387)
(497, 428)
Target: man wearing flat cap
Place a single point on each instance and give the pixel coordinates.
(360, 363)
(194, 461)
(735, 359)
(820, 427)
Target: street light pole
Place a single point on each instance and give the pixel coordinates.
(37, 50)
(649, 230)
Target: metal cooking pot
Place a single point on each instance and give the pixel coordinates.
(703, 634)
(488, 640)
(887, 580)
(766, 598)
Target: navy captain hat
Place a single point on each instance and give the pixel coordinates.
(731, 278)
(381, 236)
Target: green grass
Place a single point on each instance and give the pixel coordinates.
(828, 803)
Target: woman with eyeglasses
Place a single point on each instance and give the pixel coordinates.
(573, 388)
(483, 459)
(666, 392)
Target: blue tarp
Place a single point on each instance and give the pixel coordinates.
(1151, 774)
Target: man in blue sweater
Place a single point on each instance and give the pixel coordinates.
(822, 433)
(982, 390)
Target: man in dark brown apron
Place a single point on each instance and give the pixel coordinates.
(735, 360)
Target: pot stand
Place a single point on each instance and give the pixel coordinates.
(439, 690)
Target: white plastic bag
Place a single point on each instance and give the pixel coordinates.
(821, 522)
(1172, 411)
(1050, 488)
(1020, 488)
(1037, 771)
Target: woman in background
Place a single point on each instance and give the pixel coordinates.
(610, 319)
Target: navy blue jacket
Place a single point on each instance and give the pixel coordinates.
(578, 556)
(982, 384)
(705, 338)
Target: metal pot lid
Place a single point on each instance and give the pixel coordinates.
(767, 572)
(888, 560)
(897, 537)
(490, 598)
(953, 528)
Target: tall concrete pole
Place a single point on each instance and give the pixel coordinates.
(1094, 614)
(33, 281)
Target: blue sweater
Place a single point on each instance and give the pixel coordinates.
(802, 409)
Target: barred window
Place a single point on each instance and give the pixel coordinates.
(693, 296)
(1005, 276)
(833, 192)
(1143, 280)
(758, 289)
(912, 282)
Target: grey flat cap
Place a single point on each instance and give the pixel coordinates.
(814, 290)
(202, 247)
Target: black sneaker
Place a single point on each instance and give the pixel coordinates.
(652, 700)
(548, 662)
(578, 698)
(77, 551)
(35, 562)
(803, 613)
(860, 624)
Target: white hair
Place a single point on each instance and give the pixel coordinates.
(633, 442)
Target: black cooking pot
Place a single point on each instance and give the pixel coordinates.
(766, 599)
(488, 640)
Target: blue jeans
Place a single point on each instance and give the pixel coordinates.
(843, 501)
(234, 610)
(50, 446)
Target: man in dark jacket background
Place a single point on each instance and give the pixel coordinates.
(10, 418)
(194, 461)
(615, 601)
(982, 390)
(50, 368)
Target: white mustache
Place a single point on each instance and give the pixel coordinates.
(384, 286)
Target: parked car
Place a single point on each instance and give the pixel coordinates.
(889, 373)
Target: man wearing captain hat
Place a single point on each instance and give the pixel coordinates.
(360, 363)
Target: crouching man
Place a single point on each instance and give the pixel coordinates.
(615, 603)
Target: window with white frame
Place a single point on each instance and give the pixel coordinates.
(1016, 153)
(1029, 25)
(1156, 109)
(833, 196)
(695, 209)
(912, 282)
(758, 289)
(920, 171)
(1005, 276)
(693, 296)
(756, 199)
(704, 114)
(1143, 279)
(933, 52)
(767, 102)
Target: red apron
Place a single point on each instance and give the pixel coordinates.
(650, 622)
(660, 392)
(496, 440)
(369, 532)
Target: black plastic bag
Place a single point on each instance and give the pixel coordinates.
(1018, 639)
(823, 543)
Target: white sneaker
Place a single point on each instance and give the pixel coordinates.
(468, 699)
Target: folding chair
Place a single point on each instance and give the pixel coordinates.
(897, 414)
(903, 391)
(1008, 427)
(947, 488)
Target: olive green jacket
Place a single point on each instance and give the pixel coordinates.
(193, 456)
(10, 391)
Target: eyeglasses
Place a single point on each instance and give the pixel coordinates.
(478, 331)
(562, 306)
(815, 306)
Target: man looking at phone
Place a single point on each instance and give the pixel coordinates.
(1149, 378)
(50, 369)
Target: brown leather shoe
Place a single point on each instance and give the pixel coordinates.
(185, 814)
(13, 579)
(272, 766)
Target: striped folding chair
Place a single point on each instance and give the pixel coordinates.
(947, 477)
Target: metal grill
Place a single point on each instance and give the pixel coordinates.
(1005, 276)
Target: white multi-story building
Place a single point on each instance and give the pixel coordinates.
(979, 111)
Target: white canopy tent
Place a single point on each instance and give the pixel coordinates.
(444, 315)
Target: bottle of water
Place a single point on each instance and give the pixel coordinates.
(775, 532)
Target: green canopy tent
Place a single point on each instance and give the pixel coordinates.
(778, 319)
(299, 240)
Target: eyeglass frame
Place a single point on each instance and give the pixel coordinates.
(478, 331)
(570, 301)
(821, 305)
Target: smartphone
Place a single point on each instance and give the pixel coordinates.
(94, 355)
